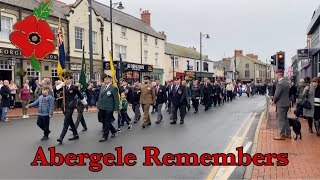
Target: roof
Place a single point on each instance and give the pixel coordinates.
(122, 19)
(254, 60)
(60, 8)
(177, 50)
(315, 20)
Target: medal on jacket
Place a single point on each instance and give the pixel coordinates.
(108, 93)
(179, 92)
(71, 91)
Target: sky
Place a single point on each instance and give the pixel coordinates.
(261, 27)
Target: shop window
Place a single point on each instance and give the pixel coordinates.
(54, 72)
(94, 41)
(6, 28)
(97, 77)
(46, 68)
(5, 65)
(78, 38)
(121, 50)
(31, 72)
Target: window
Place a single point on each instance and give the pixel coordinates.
(176, 62)
(145, 38)
(247, 73)
(97, 77)
(197, 66)
(31, 72)
(247, 66)
(123, 32)
(55, 32)
(46, 68)
(156, 56)
(6, 28)
(121, 50)
(145, 56)
(94, 42)
(156, 41)
(78, 38)
(54, 72)
(75, 77)
(5, 65)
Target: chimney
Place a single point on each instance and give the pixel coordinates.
(238, 52)
(146, 17)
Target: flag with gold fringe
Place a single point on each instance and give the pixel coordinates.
(113, 74)
(61, 53)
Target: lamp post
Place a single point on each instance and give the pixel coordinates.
(1, 9)
(173, 64)
(90, 40)
(120, 7)
(201, 36)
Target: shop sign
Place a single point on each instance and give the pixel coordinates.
(18, 53)
(130, 66)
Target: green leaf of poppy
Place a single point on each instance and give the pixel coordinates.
(35, 63)
(43, 11)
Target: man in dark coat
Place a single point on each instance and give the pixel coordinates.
(5, 93)
(170, 94)
(134, 99)
(206, 91)
(161, 97)
(216, 94)
(179, 101)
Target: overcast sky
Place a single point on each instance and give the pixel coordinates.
(262, 27)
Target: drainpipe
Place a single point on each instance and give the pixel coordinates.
(102, 46)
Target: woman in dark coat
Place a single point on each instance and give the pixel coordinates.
(6, 97)
(308, 94)
(317, 107)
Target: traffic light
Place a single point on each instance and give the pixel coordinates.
(281, 60)
(274, 60)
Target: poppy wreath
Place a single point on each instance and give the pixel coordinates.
(34, 36)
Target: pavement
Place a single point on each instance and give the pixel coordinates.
(218, 130)
(303, 155)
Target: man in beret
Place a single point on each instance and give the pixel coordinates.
(147, 98)
(282, 101)
(71, 92)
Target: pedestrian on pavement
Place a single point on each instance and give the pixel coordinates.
(282, 101)
(309, 95)
(71, 92)
(13, 91)
(134, 99)
(25, 99)
(195, 95)
(179, 101)
(45, 104)
(107, 104)
(80, 109)
(5, 101)
(317, 106)
(124, 112)
(293, 93)
(147, 99)
(161, 98)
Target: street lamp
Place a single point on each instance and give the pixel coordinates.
(120, 7)
(90, 40)
(173, 64)
(207, 37)
(1, 9)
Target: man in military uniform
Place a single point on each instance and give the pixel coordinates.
(108, 103)
(71, 92)
(134, 99)
(147, 99)
(161, 96)
(179, 101)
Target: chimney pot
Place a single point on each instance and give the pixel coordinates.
(146, 17)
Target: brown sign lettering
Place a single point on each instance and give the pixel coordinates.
(17, 52)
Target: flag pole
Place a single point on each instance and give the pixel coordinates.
(60, 75)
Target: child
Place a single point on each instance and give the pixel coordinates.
(123, 111)
(45, 105)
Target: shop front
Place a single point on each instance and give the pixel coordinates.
(130, 71)
(191, 74)
(155, 74)
(210, 76)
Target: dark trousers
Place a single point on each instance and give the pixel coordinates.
(106, 117)
(68, 121)
(182, 109)
(136, 110)
(12, 101)
(124, 118)
(216, 100)
(206, 101)
(229, 96)
(80, 118)
(195, 104)
(43, 122)
(310, 122)
(169, 103)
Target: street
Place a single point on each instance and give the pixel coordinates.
(207, 132)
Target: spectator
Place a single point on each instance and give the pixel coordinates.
(317, 107)
(25, 98)
(13, 91)
(302, 85)
(309, 95)
(90, 95)
(5, 93)
(293, 93)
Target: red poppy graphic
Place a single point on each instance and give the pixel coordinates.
(34, 37)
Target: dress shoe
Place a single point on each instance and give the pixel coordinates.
(103, 139)
(44, 138)
(113, 135)
(158, 122)
(196, 112)
(143, 126)
(149, 124)
(84, 129)
(135, 121)
(73, 138)
(181, 122)
(279, 137)
(288, 136)
(59, 140)
(173, 122)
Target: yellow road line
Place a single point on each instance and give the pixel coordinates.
(215, 169)
(244, 135)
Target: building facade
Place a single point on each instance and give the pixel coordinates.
(11, 59)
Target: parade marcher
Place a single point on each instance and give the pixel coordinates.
(230, 90)
(71, 92)
(107, 104)
(123, 112)
(45, 104)
(161, 98)
(187, 94)
(281, 99)
(124, 88)
(240, 89)
(147, 99)
(170, 94)
(5, 101)
(216, 94)
(134, 94)
(154, 107)
(223, 92)
(248, 89)
(206, 93)
(195, 96)
(188, 91)
(179, 101)
(80, 109)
